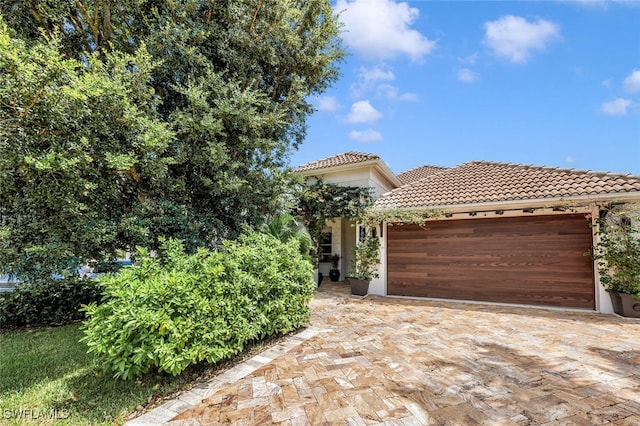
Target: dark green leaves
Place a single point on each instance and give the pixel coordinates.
(75, 140)
(121, 122)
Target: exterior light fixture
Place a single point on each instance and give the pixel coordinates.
(473, 213)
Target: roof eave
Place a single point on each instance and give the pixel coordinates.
(376, 162)
(339, 168)
(580, 200)
(386, 171)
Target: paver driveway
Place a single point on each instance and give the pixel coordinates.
(391, 361)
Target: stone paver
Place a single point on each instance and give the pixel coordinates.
(383, 361)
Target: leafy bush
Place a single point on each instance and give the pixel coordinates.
(618, 250)
(366, 258)
(177, 310)
(48, 302)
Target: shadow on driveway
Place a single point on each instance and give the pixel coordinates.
(379, 360)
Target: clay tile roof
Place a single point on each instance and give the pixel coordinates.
(350, 157)
(482, 182)
(418, 173)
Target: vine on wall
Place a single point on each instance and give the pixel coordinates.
(375, 216)
(320, 202)
(618, 251)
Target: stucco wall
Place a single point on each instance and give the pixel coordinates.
(378, 286)
(366, 177)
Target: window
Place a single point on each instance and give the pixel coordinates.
(325, 246)
(372, 232)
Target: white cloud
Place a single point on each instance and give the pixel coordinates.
(375, 74)
(514, 38)
(616, 107)
(326, 104)
(368, 135)
(569, 160)
(393, 94)
(467, 76)
(606, 83)
(375, 79)
(470, 60)
(632, 83)
(368, 78)
(381, 29)
(363, 112)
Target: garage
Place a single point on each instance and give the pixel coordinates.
(531, 260)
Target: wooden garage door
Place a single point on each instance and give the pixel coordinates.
(526, 260)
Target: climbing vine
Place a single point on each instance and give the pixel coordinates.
(374, 216)
(320, 202)
(618, 251)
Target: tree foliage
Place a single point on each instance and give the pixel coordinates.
(74, 141)
(145, 118)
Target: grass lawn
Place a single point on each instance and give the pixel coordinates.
(46, 375)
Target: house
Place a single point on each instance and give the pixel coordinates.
(506, 233)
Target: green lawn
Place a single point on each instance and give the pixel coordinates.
(47, 373)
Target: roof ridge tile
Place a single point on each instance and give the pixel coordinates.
(349, 157)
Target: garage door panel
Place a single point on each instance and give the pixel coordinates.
(516, 273)
(550, 264)
(481, 276)
(526, 260)
(529, 295)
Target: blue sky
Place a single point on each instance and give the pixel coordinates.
(554, 83)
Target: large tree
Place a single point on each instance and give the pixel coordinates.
(219, 92)
(74, 137)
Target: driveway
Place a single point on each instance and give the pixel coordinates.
(390, 361)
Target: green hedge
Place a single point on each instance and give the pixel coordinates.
(44, 303)
(177, 310)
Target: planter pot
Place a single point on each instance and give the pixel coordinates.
(625, 304)
(320, 278)
(359, 287)
(334, 275)
(630, 306)
(616, 301)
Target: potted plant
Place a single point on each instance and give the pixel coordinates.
(364, 267)
(618, 256)
(334, 272)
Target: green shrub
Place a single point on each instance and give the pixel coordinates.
(177, 310)
(49, 302)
